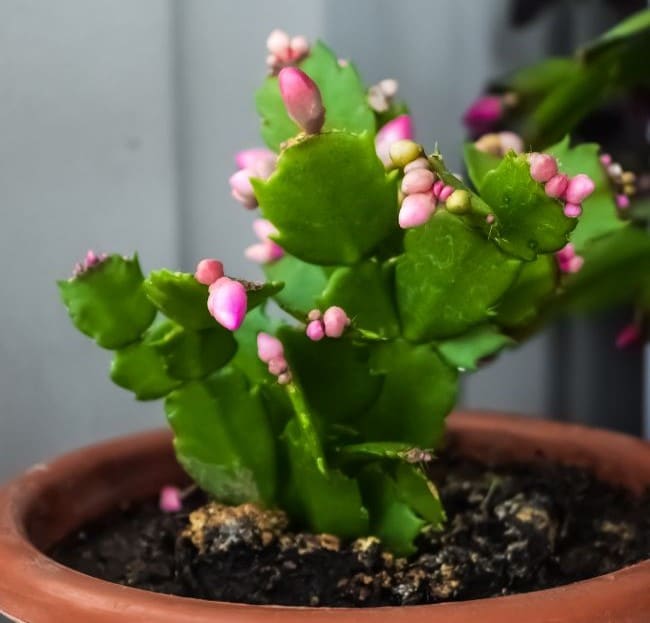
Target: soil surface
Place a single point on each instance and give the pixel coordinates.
(511, 529)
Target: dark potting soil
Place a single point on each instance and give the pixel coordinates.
(511, 529)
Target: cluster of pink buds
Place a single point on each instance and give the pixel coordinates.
(227, 298)
(568, 260)
(91, 260)
(265, 251)
(257, 162)
(331, 323)
(572, 191)
(285, 51)
(271, 351)
(398, 129)
(302, 99)
(382, 94)
(623, 181)
(500, 143)
(421, 190)
(487, 111)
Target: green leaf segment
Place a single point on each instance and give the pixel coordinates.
(334, 447)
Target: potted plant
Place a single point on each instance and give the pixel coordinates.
(315, 451)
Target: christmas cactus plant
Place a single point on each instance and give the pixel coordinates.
(399, 276)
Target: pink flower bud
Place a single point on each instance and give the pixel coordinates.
(269, 347)
(242, 189)
(542, 167)
(284, 378)
(314, 314)
(567, 259)
(267, 250)
(299, 47)
(483, 113)
(302, 99)
(264, 253)
(208, 271)
(580, 187)
(416, 210)
(489, 219)
(170, 500)
(278, 365)
(511, 142)
(397, 129)
(572, 210)
(623, 202)
(315, 330)
(278, 44)
(335, 321)
(445, 193)
(228, 302)
(418, 163)
(605, 160)
(628, 336)
(437, 188)
(255, 158)
(418, 181)
(556, 186)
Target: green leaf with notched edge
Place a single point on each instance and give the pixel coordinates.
(140, 368)
(478, 163)
(189, 354)
(342, 91)
(330, 198)
(419, 389)
(223, 438)
(181, 298)
(304, 283)
(616, 270)
(528, 221)
(466, 351)
(419, 493)
(333, 374)
(535, 283)
(325, 501)
(599, 214)
(365, 292)
(391, 518)
(449, 279)
(108, 302)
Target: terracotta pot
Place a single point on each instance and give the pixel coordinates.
(51, 500)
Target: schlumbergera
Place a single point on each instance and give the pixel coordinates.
(397, 275)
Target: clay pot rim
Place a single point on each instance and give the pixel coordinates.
(43, 580)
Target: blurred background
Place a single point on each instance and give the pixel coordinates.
(118, 125)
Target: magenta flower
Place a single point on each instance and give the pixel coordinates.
(397, 129)
(227, 303)
(267, 250)
(302, 99)
(208, 271)
(483, 113)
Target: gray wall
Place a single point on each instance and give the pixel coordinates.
(118, 121)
